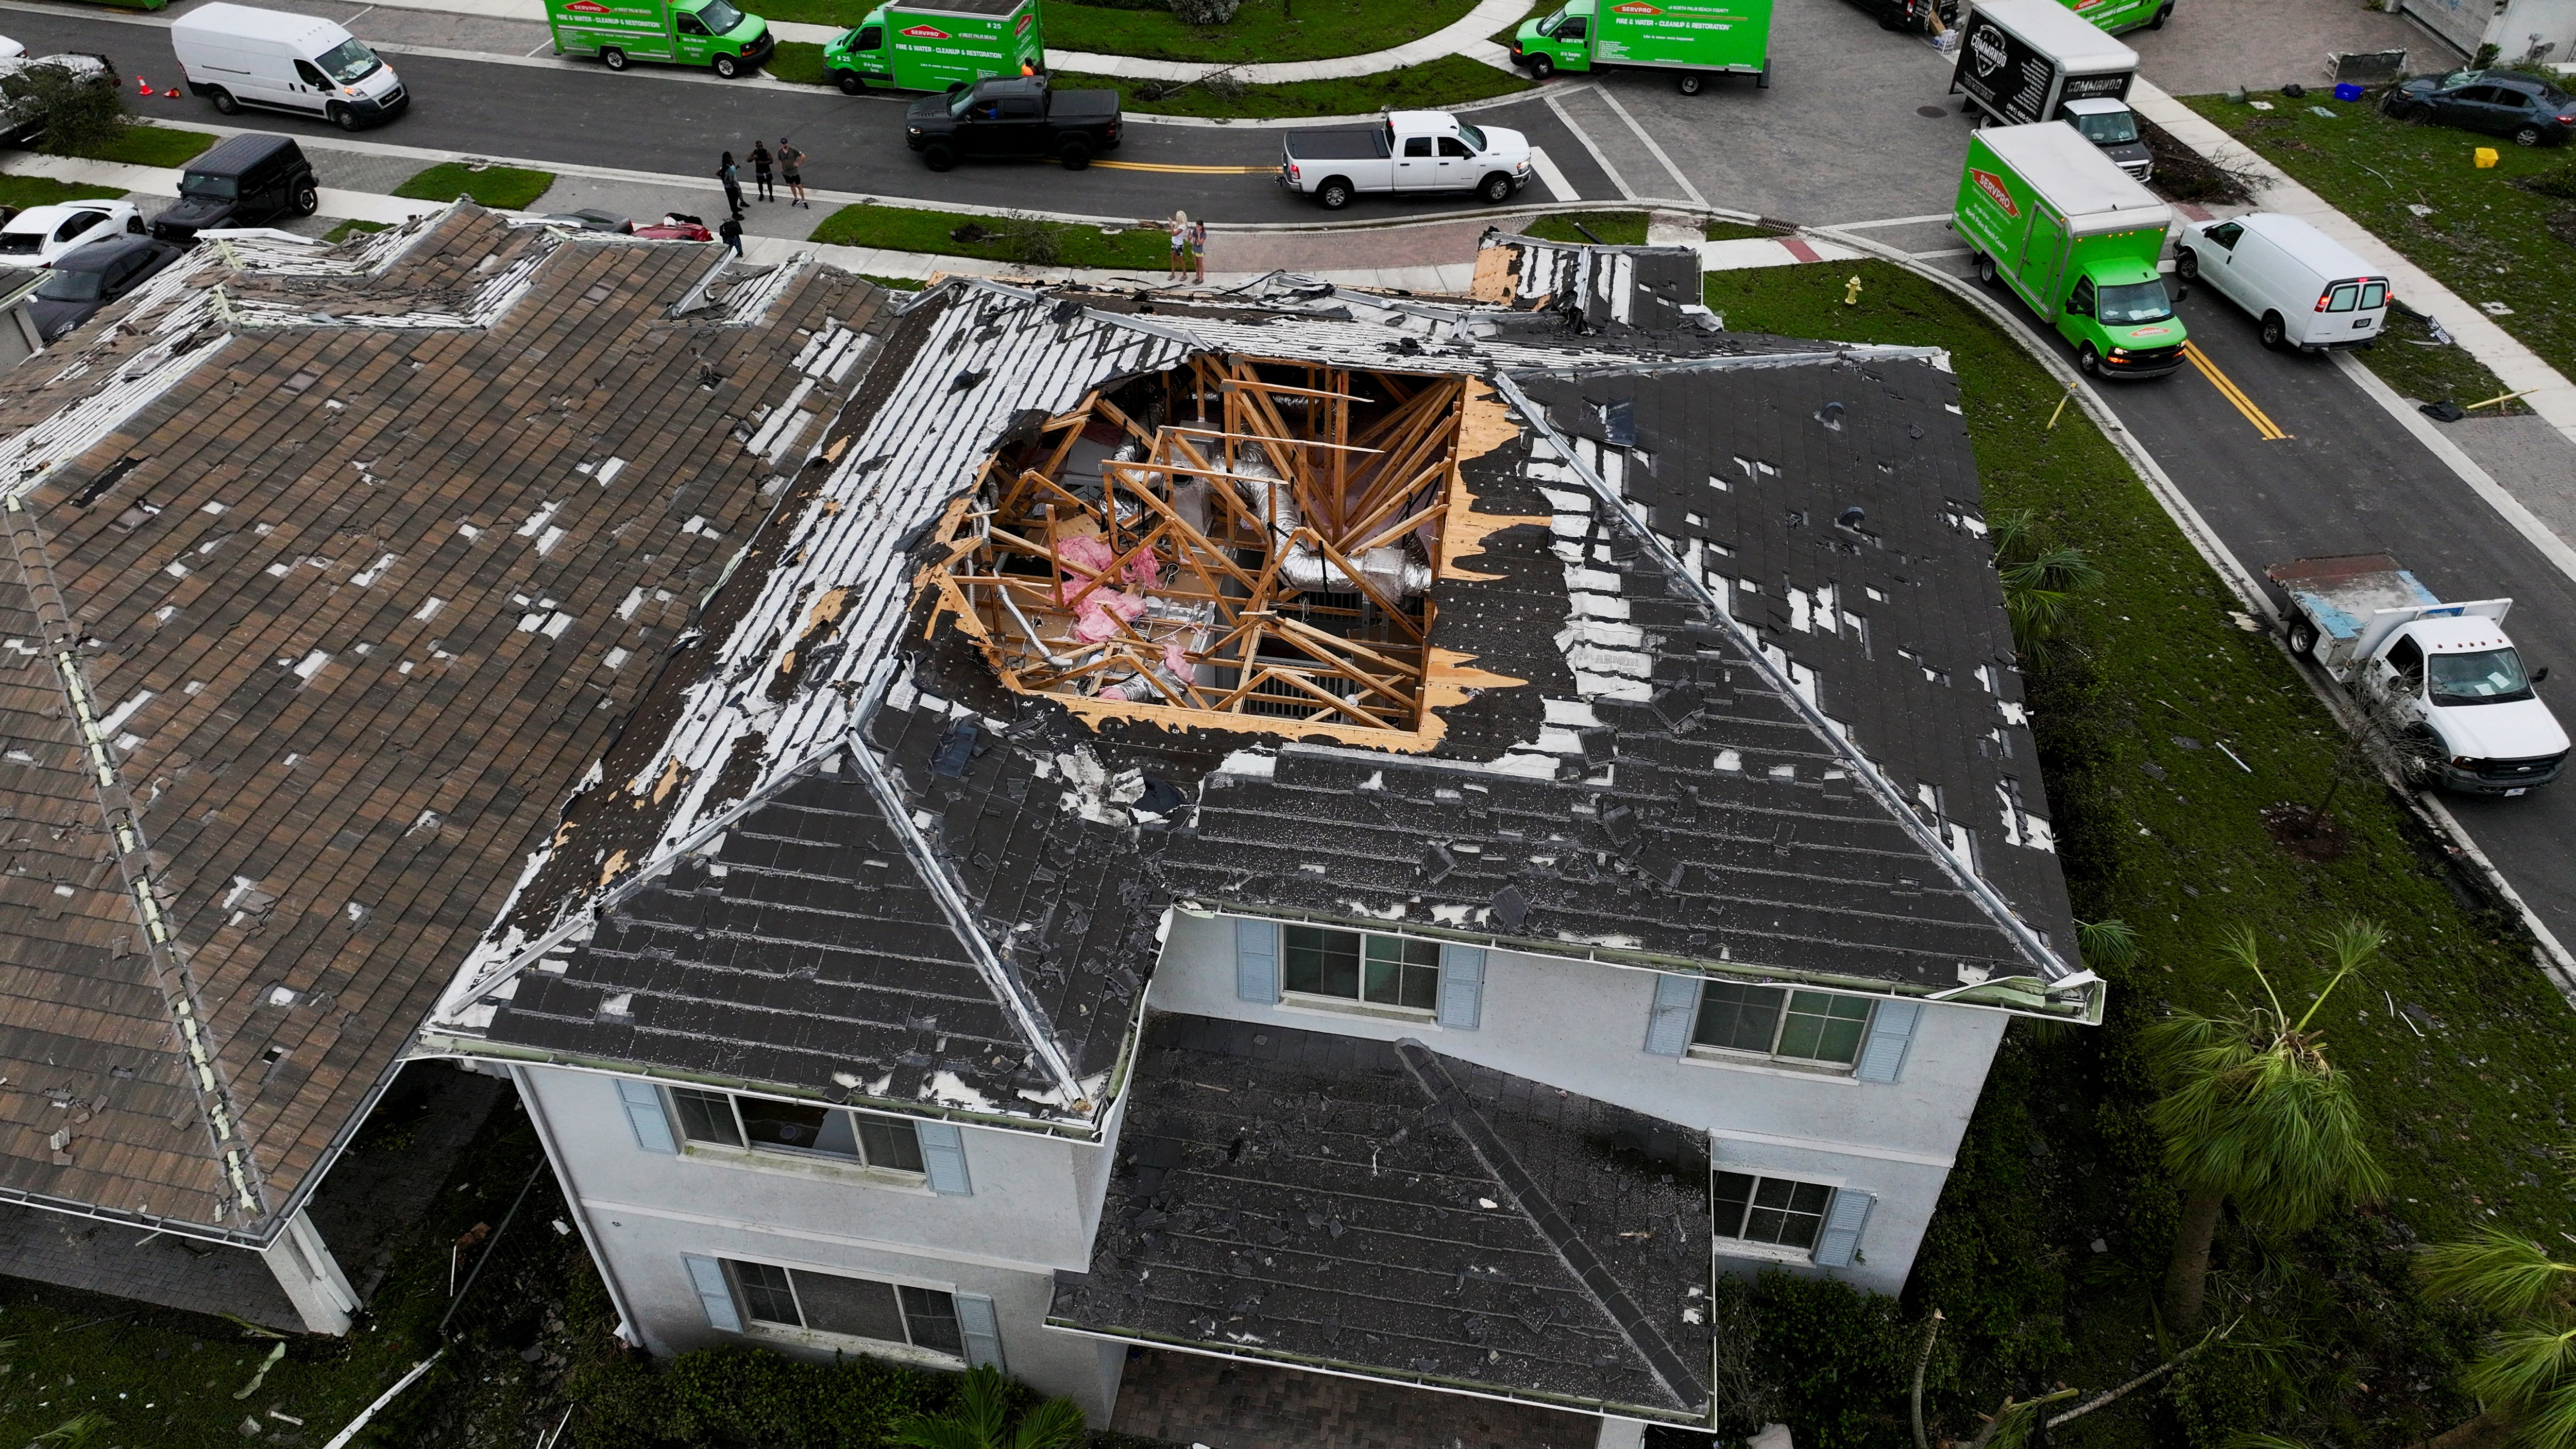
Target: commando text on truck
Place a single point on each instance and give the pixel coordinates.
(936, 44)
(2052, 218)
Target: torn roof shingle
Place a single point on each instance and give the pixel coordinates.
(1383, 1209)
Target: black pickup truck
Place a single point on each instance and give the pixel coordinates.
(1012, 116)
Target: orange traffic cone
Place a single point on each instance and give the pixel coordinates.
(142, 87)
(170, 94)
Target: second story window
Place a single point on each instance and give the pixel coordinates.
(803, 1129)
(1773, 1021)
(1350, 966)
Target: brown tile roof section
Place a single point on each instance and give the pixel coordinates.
(338, 782)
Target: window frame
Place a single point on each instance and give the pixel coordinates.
(743, 1144)
(1737, 1244)
(753, 1324)
(1359, 1000)
(1695, 1049)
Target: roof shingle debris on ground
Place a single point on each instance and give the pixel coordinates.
(1353, 1204)
(334, 569)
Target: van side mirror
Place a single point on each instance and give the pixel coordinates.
(2183, 292)
(2540, 674)
(955, 86)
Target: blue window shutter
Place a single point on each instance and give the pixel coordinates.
(644, 1113)
(1668, 1027)
(707, 1276)
(1462, 987)
(1839, 1243)
(1891, 1031)
(982, 1332)
(943, 1157)
(1256, 961)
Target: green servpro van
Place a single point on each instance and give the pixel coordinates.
(930, 47)
(1695, 39)
(2114, 16)
(712, 33)
(2077, 238)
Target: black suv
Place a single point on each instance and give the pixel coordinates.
(85, 279)
(2501, 103)
(249, 180)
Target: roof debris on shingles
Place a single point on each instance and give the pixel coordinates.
(347, 563)
(1385, 1209)
(844, 860)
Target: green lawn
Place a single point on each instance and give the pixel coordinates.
(1450, 80)
(20, 192)
(1609, 228)
(905, 229)
(2462, 1056)
(2484, 237)
(507, 188)
(1263, 30)
(2407, 358)
(799, 61)
(348, 229)
(153, 146)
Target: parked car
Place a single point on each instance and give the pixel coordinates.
(248, 180)
(1012, 116)
(591, 218)
(10, 49)
(1409, 151)
(38, 235)
(2530, 110)
(94, 68)
(676, 227)
(236, 56)
(88, 278)
(2305, 290)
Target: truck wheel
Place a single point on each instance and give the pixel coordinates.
(344, 117)
(1691, 81)
(938, 156)
(1985, 269)
(1076, 154)
(225, 105)
(728, 66)
(1541, 67)
(2163, 14)
(307, 200)
(849, 82)
(2089, 360)
(2275, 332)
(1334, 194)
(2303, 639)
(613, 58)
(2186, 263)
(1494, 190)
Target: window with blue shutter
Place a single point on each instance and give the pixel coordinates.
(1256, 961)
(1668, 1026)
(644, 1113)
(943, 1157)
(1839, 1244)
(981, 1329)
(1891, 1031)
(1462, 987)
(714, 1294)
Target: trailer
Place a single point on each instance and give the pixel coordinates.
(1694, 39)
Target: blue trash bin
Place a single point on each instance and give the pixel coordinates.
(2347, 91)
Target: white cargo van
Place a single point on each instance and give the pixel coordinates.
(237, 56)
(2303, 288)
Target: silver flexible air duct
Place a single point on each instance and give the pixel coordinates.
(1389, 570)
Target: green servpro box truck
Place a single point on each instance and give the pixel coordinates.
(713, 33)
(1695, 39)
(2115, 16)
(2077, 238)
(930, 47)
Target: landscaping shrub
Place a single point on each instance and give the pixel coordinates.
(67, 114)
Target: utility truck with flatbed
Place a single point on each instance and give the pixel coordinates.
(1409, 151)
(1694, 39)
(2445, 673)
(2026, 61)
(2071, 234)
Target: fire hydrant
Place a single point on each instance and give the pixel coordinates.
(1851, 292)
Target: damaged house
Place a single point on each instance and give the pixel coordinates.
(1388, 837)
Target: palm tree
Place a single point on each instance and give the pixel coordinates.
(981, 1419)
(2526, 1380)
(2259, 1116)
(2039, 583)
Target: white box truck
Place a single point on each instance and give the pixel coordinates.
(2447, 673)
(2026, 61)
(236, 56)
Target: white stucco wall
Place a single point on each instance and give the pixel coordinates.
(1581, 1025)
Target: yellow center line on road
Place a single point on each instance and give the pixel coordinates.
(2228, 389)
(1186, 170)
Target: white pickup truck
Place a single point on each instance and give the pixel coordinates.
(2447, 671)
(1408, 151)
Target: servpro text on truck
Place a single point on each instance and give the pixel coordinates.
(713, 33)
(2075, 237)
(932, 46)
(1694, 39)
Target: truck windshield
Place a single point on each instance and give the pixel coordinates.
(2134, 303)
(214, 188)
(2490, 676)
(2118, 128)
(1474, 138)
(349, 62)
(1548, 26)
(720, 17)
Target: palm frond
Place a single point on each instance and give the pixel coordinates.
(2061, 570)
(2258, 1439)
(1055, 1424)
(2036, 615)
(922, 1431)
(2497, 1272)
(74, 1433)
(2527, 1368)
(2009, 530)
(2106, 943)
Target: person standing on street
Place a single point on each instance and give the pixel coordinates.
(1180, 230)
(730, 229)
(732, 179)
(1198, 247)
(791, 164)
(760, 172)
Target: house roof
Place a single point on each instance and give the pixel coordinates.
(1381, 1208)
(334, 571)
(1732, 725)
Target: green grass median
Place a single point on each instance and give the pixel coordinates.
(20, 192)
(151, 146)
(505, 188)
(1026, 241)
(1448, 81)
(1263, 30)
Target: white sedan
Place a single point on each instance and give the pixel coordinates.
(10, 49)
(36, 236)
